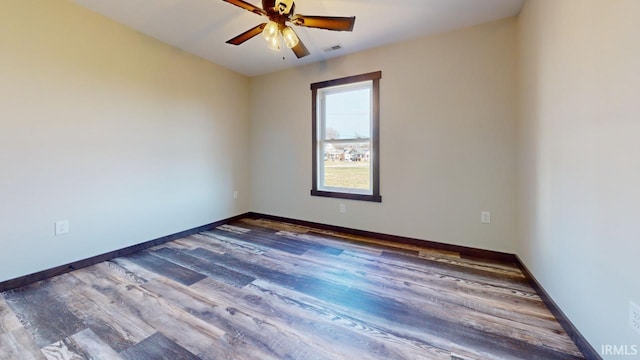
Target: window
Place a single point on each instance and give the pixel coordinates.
(346, 119)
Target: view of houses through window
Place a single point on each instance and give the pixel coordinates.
(347, 165)
(346, 129)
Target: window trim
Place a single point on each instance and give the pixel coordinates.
(374, 77)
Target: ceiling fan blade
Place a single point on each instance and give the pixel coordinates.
(325, 22)
(300, 50)
(245, 5)
(247, 35)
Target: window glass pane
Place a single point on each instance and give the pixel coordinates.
(347, 166)
(348, 114)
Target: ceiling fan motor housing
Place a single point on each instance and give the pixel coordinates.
(284, 7)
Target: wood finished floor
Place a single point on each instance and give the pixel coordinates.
(259, 289)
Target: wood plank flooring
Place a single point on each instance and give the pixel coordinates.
(260, 289)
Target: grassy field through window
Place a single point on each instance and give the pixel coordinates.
(347, 174)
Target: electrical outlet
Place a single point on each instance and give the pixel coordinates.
(634, 316)
(62, 227)
(235, 194)
(485, 217)
(343, 208)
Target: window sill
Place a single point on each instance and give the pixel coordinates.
(349, 196)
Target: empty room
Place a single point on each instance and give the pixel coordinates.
(319, 179)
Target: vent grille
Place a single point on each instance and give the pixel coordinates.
(333, 48)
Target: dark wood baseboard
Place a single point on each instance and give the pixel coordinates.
(467, 252)
(62, 269)
(587, 350)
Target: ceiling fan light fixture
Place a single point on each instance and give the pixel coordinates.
(274, 43)
(271, 31)
(290, 37)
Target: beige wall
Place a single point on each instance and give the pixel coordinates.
(447, 139)
(127, 138)
(580, 159)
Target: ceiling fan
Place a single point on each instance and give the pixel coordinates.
(281, 12)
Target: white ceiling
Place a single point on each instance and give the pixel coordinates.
(201, 27)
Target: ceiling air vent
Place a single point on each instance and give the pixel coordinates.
(333, 48)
